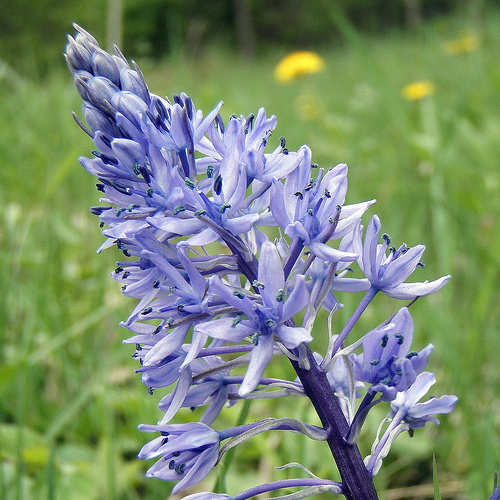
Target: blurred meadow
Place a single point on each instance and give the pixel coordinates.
(70, 401)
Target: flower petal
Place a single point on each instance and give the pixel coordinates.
(408, 291)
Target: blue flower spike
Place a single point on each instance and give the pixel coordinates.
(191, 201)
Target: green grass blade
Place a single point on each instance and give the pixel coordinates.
(437, 495)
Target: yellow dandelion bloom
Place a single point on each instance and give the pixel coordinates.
(298, 64)
(460, 46)
(418, 90)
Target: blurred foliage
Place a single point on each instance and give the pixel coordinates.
(154, 28)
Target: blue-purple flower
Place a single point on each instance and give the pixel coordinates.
(406, 407)
(261, 317)
(386, 362)
(187, 452)
(388, 273)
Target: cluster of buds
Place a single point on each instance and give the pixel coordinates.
(191, 201)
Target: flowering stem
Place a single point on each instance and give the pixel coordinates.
(365, 301)
(356, 481)
(286, 483)
(366, 405)
(296, 247)
(396, 421)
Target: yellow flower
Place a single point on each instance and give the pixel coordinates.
(298, 64)
(418, 90)
(460, 46)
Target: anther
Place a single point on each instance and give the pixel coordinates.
(218, 184)
(280, 295)
(178, 209)
(258, 284)
(238, 294)
(249, 122)
(147, 310)
(310, 185)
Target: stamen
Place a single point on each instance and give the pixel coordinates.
(255, 338)
(218, 184)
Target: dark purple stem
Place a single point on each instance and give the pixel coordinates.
(356, 481)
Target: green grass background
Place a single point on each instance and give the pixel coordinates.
(69, 400)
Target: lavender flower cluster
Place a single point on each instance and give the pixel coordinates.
(188, 200)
